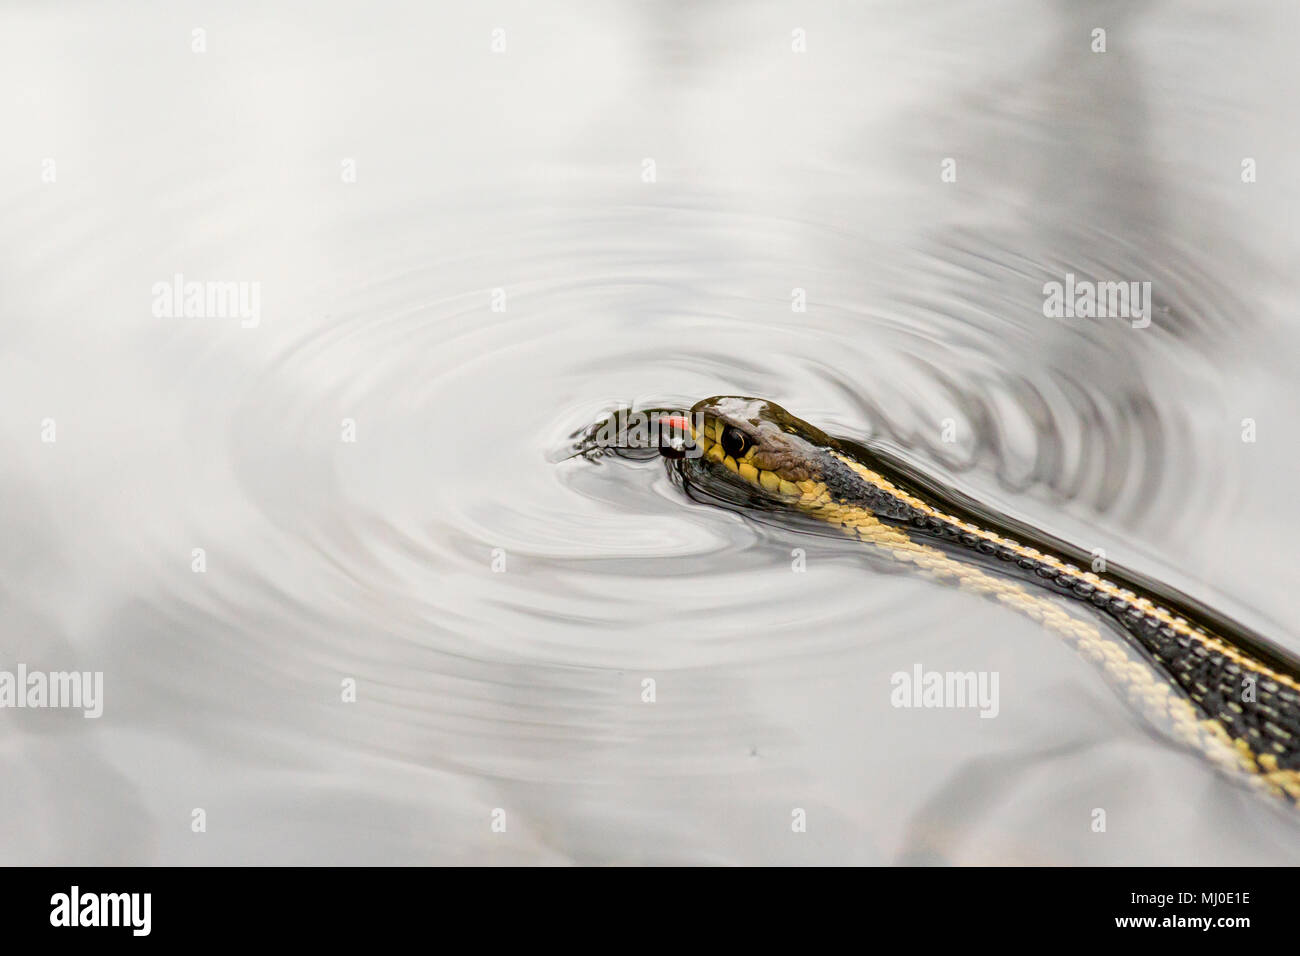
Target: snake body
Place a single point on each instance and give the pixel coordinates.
(1207, 681)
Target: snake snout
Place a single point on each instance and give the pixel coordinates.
(675, 436)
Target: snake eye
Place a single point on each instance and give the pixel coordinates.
(735, 442)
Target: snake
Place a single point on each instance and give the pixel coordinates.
(1209, 683)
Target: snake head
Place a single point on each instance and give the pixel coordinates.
(759, 443)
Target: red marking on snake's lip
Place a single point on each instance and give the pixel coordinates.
(679, 428)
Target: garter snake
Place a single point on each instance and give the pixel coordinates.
(1207, 681)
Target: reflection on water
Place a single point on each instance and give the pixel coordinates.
(500, 613)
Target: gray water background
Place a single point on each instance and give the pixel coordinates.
(523, 170)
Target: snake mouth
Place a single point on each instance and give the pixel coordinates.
(676, 437)
(636, 434)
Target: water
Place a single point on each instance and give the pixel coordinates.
(372, 560)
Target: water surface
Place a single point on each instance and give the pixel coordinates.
(524, 171)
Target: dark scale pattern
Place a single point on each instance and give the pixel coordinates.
(846, 487)
(1222, 688)
(1217, 685)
